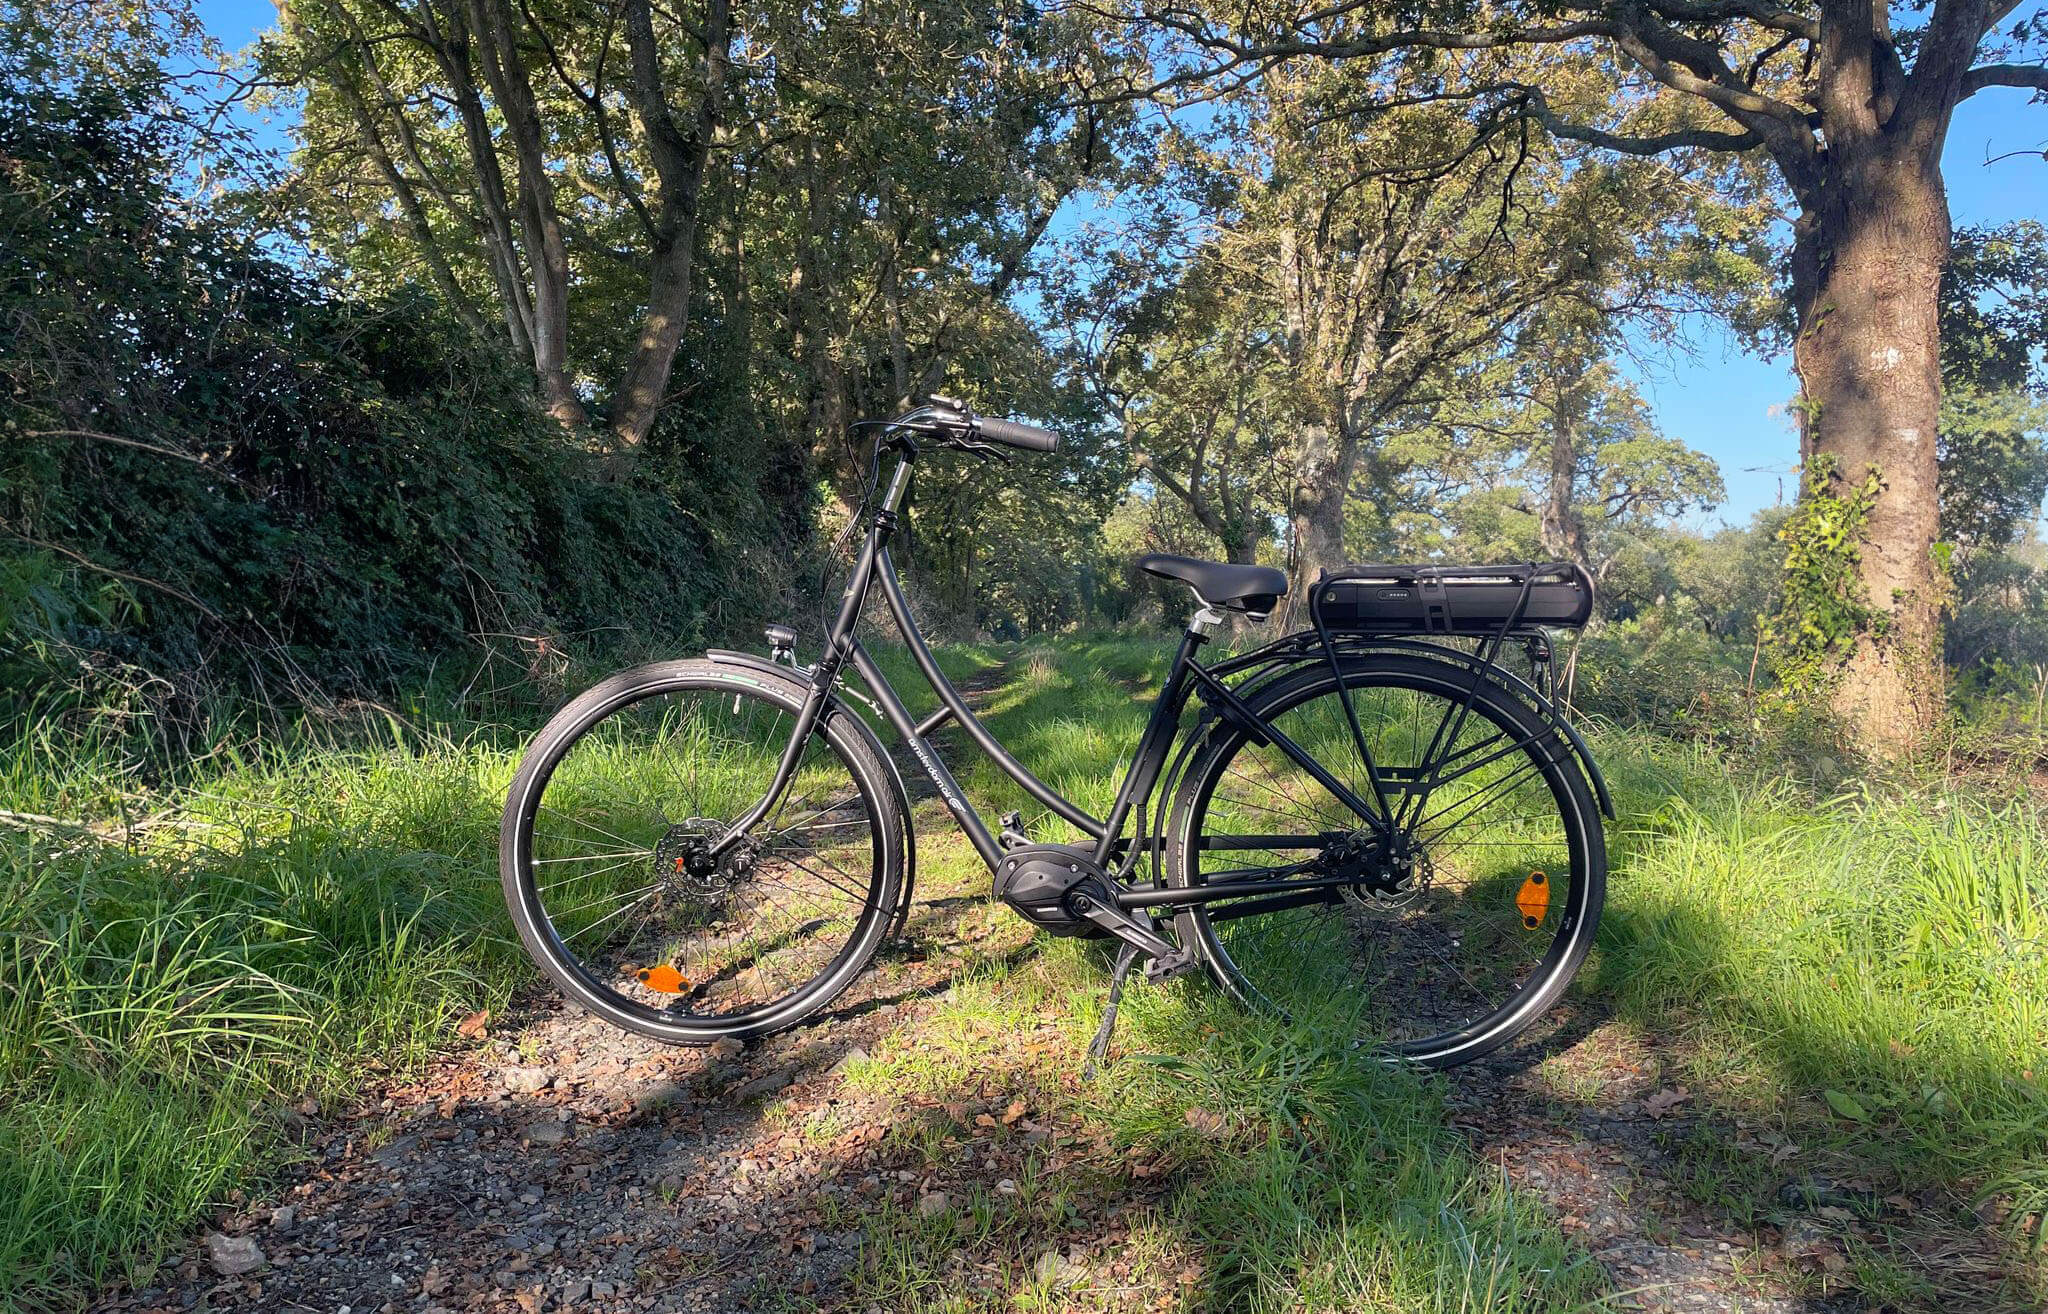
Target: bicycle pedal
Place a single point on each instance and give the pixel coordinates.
(1158, 971)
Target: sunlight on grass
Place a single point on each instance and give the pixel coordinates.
(1881, 962)
(1870, 972)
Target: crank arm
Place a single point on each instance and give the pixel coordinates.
(1164, 961)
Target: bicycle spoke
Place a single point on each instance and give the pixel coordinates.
(744, 920)
(584, 875)
(1440, 944)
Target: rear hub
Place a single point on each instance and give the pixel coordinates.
(1381, 874)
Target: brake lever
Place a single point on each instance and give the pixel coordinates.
(986, 451)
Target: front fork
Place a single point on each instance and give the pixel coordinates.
(785, 770)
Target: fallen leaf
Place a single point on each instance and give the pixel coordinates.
(1014, 1112)
(1206, 1123)
(1664, 1101)
(1846, 1105)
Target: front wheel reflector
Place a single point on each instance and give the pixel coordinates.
(1534, 899)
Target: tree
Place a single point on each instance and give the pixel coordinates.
(1347, 277)
(591, 170)
(1994, 329)
(1561, 459)
(1179, 360)
(1994, 442)
(1852, 114)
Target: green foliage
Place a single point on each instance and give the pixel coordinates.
(176, 966)
(1993, 448)
(1879, 953)
(1821, 608)
(217, 474)
(1994, 306)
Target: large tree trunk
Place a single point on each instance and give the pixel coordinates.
(1867, 272)
(1561, 529)
(679, 158)
(546, 252)
(1322, 482)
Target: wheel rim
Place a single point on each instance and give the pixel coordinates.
(617, 870)
(1425, 965)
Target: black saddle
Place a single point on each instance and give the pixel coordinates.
(1253, 590)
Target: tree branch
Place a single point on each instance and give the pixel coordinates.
(1709, 139)
(2005, 75)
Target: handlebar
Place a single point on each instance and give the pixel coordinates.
(957, 426)
(1010, 433)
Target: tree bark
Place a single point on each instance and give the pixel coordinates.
(546, 252)
(451, 49)
(1322, 484)
(1562, 530)
(1866, 275)
(679, 159)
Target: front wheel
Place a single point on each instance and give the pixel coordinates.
(623, 891)
(1441, 937)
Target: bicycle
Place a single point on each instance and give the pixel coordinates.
(1362, 826)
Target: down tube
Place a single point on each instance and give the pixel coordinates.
(949, 788)
(928, 666)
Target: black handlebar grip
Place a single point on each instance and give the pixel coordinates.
(1012, 434)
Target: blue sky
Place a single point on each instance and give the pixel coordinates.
(1717, 396)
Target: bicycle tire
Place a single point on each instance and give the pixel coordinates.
(849, 743)
(1497, 706)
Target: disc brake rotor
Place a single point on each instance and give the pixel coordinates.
(1383, 881)
(685, 864)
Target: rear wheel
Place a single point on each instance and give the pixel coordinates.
(1446, 939)
(615, 875)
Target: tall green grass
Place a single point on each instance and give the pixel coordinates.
(266, 922)
(173, 976)
(1873, 964)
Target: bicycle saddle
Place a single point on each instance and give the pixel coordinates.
(1252, 590)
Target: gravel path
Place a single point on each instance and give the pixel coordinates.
(561, 1164)
(558, 1164)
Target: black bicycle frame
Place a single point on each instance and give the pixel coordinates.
(1186, 677)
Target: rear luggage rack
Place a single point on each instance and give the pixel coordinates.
(1470, 601)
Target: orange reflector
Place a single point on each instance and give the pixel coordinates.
(1534, 899)
(663, 978)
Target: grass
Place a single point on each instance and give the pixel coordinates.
(1865, 977)
(1867, 973)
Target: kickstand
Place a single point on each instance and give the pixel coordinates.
(1098, 1048)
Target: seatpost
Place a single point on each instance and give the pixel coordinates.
(1205, 623)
